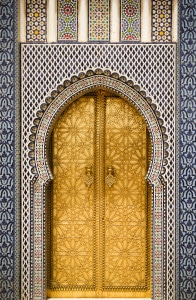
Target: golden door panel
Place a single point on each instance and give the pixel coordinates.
(99, 224)
(125, 245)
(73, 257)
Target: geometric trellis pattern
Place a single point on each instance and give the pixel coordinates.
(187, 154)
(130, 20)
(67, 20)
(36, 20)
(161, 21)
(152, 67)
(98, 20)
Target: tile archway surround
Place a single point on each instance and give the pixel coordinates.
(44, 121)
(46, 67)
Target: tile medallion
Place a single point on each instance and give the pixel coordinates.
(130, 20)
(67, 20)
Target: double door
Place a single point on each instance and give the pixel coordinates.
(99, 214)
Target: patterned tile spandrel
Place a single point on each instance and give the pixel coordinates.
(98, 20)
(67, 20)
(130, 20)
(36, 25)
(161, 21)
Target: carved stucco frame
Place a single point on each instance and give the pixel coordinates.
(46, 117)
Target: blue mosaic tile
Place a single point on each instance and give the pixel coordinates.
(187, 157)
(9, 255)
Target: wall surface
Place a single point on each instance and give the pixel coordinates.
(10, 159)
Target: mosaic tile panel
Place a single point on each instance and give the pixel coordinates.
(36, 20)
(144, 64)
(130, 20)
(187, 153)
(67, 20)
(9, 161)
(161, 21)
(98, 20)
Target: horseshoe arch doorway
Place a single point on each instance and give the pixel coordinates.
(99, 202)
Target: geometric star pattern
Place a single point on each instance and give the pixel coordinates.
(36, 20)
(130, 20)
(98, 20)
(73, 226)
(104, 230)
(161, 21)
(67, 20)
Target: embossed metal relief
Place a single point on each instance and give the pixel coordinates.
(125, 245)
(73, 225)
(99, 218)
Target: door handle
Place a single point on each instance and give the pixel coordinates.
(88, 177)
(110, 179)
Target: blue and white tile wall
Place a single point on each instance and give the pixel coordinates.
(187, 152)
(9, 157)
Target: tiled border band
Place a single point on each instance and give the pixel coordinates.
(9, 153)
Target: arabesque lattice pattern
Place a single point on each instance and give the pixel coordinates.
(150, 66)
(9, 153)
(187, 153)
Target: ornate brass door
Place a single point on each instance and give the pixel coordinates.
(99, 221)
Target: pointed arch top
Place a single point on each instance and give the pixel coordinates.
(78, 86)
